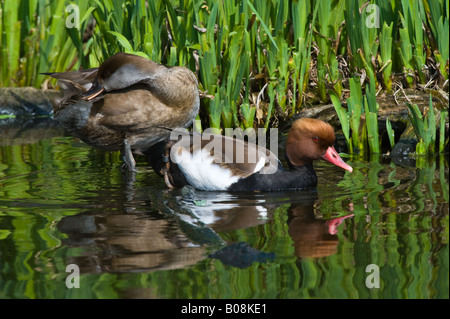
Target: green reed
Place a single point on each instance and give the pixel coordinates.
(301, 55)
(438, 21)
(329, 18)
(35, 38)
(255, 55)
(362, 34)
(425, 128)
(256, 60)
(387, 34)
(413, 56)
(359, 121)
(385, 56)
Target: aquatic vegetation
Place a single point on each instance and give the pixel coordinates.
(46, 43)
(359, 121)
(438, 22)
(390, 133)
(413, 56)
(385, 56)
(328, 28)
(371, 110)
(425, 129)
(362, 33)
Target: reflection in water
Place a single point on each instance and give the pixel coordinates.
(313, 237)
(241, 255)
(63, 202)
(135, 239)
(127, 242)
(25, 131)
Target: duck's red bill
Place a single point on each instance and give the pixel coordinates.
(334, 223)
(333, 157)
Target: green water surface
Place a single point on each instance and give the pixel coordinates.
(63, 202)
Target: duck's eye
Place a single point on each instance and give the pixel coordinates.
(315, 139)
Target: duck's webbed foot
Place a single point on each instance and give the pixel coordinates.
(127, 156)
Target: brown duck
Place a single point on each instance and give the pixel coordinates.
(126, 104)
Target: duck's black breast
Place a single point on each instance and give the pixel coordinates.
(157, 158)
(297, 178)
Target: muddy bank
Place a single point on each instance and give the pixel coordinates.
(26, 116)
(26, 102)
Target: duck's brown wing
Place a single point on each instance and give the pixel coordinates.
(244, 158)
(239, 157)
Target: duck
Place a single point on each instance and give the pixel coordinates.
(123, 103)
(213, 163)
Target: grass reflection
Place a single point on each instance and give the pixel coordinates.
(141, 240)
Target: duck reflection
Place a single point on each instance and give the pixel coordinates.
(313, 238)
(116, 242)
(169, 229)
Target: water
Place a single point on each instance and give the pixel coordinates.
(64, 203)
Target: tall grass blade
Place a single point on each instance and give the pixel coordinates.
(390, 133)
(265, 27)
(343, 119)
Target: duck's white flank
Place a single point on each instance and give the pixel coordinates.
(261, 162)
(201, 172)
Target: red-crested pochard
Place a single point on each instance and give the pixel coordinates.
(123, 104)
(208, 167)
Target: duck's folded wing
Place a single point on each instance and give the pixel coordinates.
(238, 157)
(245, 158)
